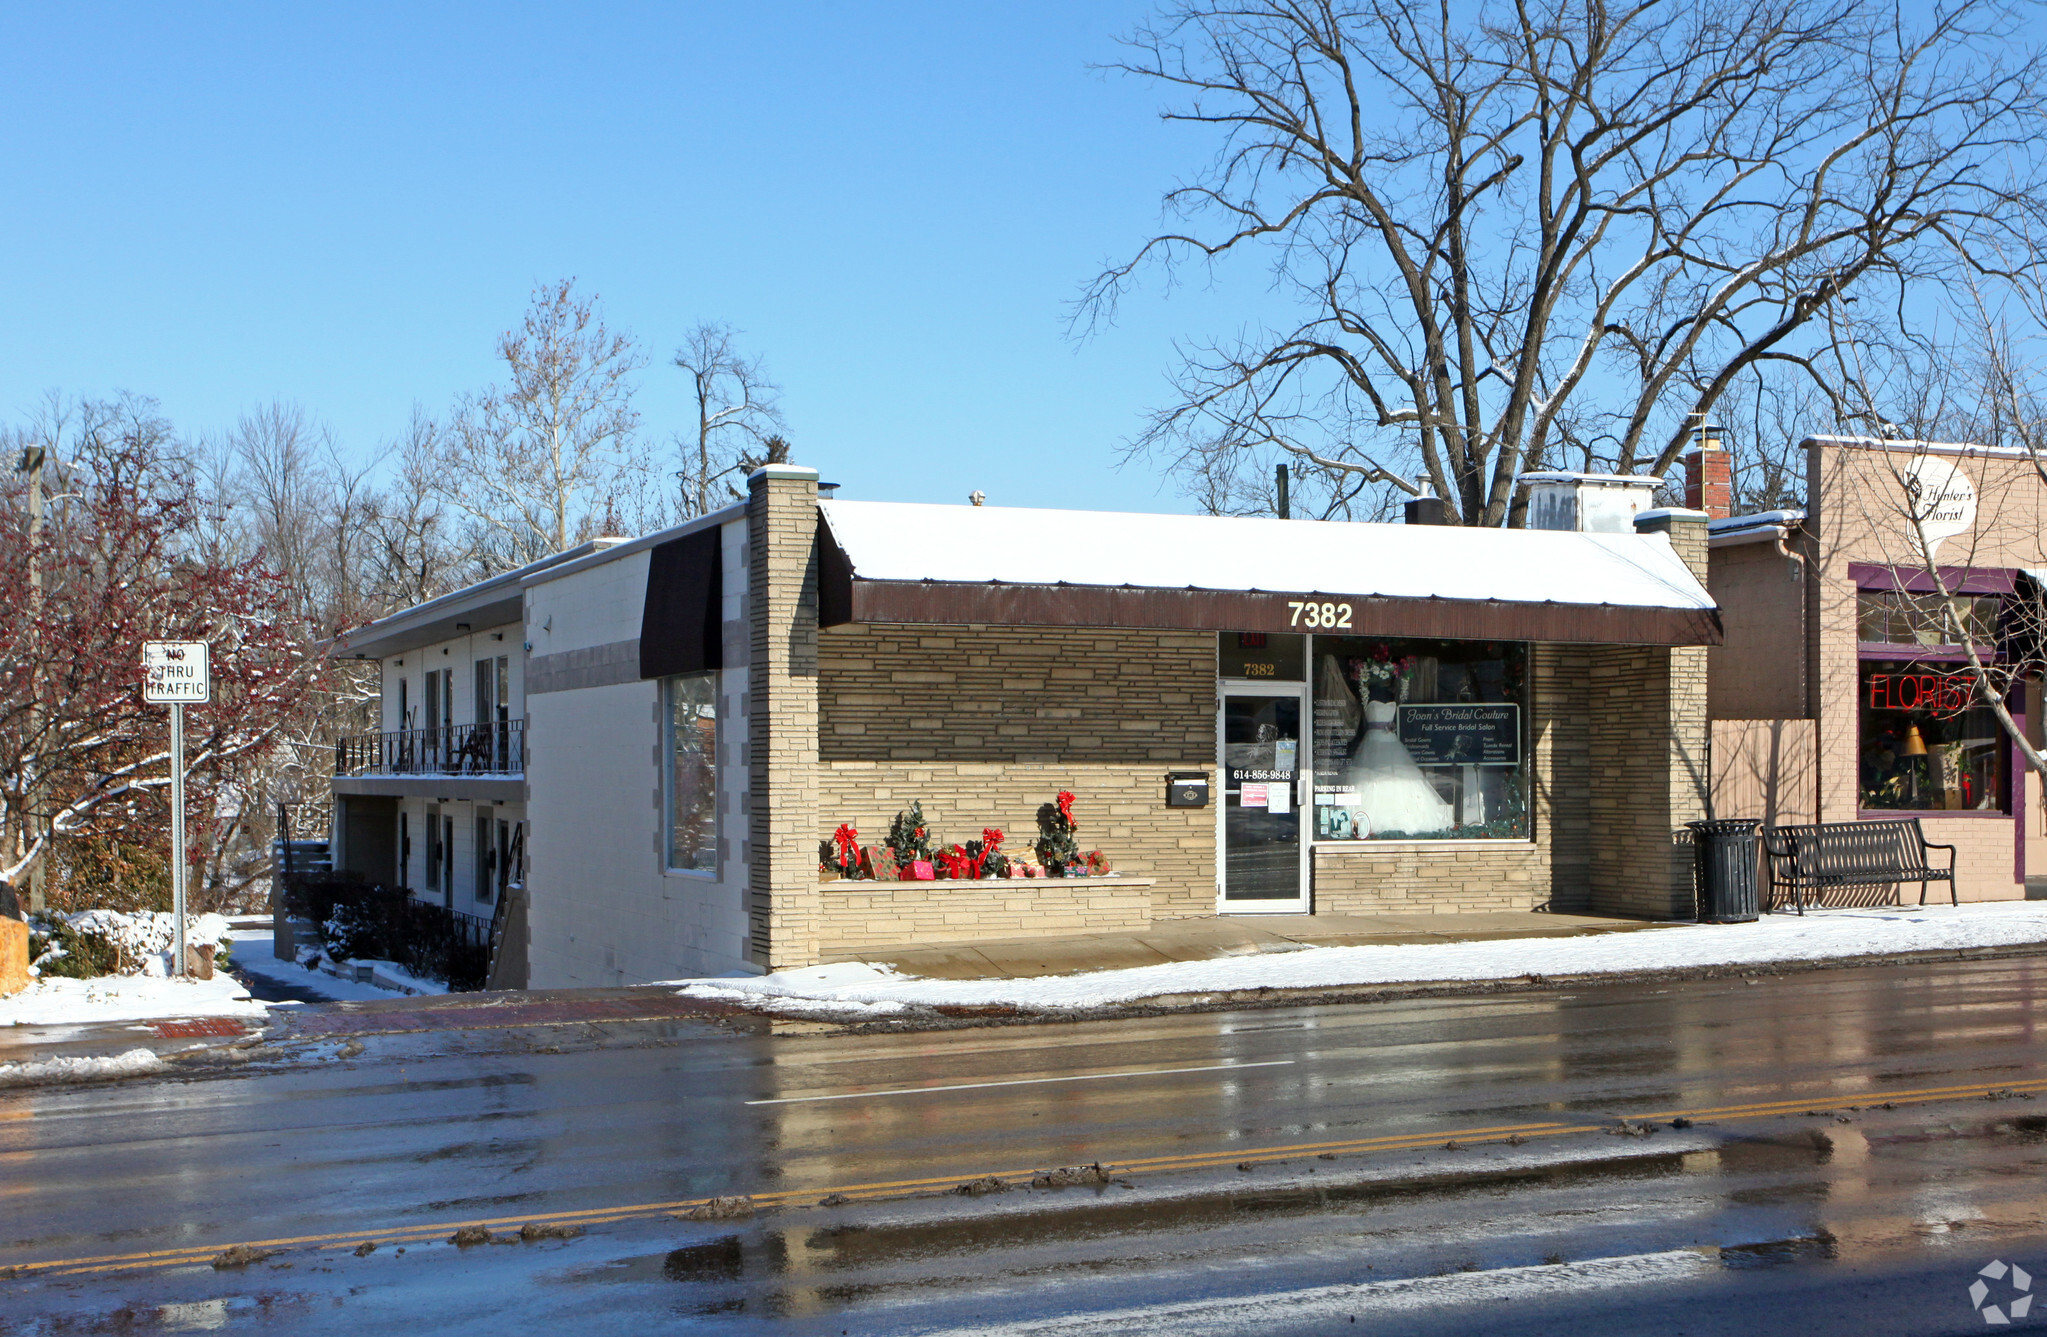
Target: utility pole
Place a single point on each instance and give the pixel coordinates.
(31, 463)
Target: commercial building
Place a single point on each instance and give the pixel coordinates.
(642, 745)
(1843, 690)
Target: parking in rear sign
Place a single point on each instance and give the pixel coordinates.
(175, 673)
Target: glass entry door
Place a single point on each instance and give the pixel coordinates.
(1262, 767)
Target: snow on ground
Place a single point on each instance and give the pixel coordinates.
(131, 1064)
(1820, 935)
(253, 956)
(64, 1002)
(147, 938)
(798, 1006)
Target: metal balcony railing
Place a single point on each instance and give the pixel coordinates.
(496, 748)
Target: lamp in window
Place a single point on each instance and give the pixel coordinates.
(1913, 746)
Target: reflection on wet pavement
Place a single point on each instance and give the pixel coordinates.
(414, 1129)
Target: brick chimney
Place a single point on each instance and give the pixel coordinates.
(1709, 481)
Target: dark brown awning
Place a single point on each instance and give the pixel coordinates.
(842, 599)
(680, 627)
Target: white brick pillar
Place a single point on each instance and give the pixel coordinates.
(782, 715)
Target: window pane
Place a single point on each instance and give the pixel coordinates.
(692, 772)
(1259, 654)
(1419, 739)
(1871, 610)
(1928, 741)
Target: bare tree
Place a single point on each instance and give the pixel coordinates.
(1550, 233)
(738, 408)
(414, 553)
(530, 465)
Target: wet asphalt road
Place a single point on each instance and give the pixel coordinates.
(1281, 1170)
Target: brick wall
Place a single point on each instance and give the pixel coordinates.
(1649, 741)
(1758, 672)
(782, 673)
(857, 916)
(984, 725)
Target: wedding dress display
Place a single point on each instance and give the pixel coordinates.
(1392, 792)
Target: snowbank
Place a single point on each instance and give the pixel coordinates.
(1818, 936)
(64, 1002)
(134, 1063)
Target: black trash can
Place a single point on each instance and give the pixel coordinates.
(1724, 870)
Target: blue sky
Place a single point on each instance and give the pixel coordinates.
(342, 206)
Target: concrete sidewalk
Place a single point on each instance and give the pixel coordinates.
(1219, 936)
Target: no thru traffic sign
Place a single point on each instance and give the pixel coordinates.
(175, 673)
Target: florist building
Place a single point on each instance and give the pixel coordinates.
(1843, 691)
(804, 728)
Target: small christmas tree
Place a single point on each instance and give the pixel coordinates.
(1057, 849)
(909, 839)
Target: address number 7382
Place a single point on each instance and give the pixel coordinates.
(1308, 613)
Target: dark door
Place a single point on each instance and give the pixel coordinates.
(1262, 766)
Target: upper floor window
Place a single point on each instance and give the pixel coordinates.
(1894, 617)
(690, 783)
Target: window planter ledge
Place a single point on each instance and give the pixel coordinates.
(995, 886)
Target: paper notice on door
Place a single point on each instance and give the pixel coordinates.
(1280, 797)
(1283, 753)
(1253, 796)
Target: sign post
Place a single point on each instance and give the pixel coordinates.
(176, 673)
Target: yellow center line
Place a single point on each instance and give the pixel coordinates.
(400, 1234)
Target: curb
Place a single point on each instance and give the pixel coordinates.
(926, 1017)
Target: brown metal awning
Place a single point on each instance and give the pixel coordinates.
(843, 598)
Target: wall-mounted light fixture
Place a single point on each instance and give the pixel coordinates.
(461, 626)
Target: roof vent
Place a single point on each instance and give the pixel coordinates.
(1588, 503)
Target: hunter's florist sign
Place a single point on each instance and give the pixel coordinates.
(1941, 500)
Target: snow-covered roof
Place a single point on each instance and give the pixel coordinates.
(1728, 524)
(905, 541)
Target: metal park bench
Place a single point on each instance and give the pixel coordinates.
(1852, 854)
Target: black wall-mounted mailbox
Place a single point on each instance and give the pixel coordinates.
(1186, 789)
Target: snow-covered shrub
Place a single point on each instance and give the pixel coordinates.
(76, 954)
(92, 943)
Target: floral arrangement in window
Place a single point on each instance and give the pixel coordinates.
(910, 853)
(1381, 675)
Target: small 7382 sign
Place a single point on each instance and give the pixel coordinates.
(176, 672)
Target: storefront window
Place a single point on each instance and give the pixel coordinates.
(1891, 617)
(691, 748)
(1928, 740)
(1419, 739)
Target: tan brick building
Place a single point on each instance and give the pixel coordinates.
(1251, 716)
(1840, 693)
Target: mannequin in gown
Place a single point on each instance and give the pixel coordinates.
(1391, 790)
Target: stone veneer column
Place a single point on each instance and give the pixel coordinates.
(781, 715)
(1659, 862)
